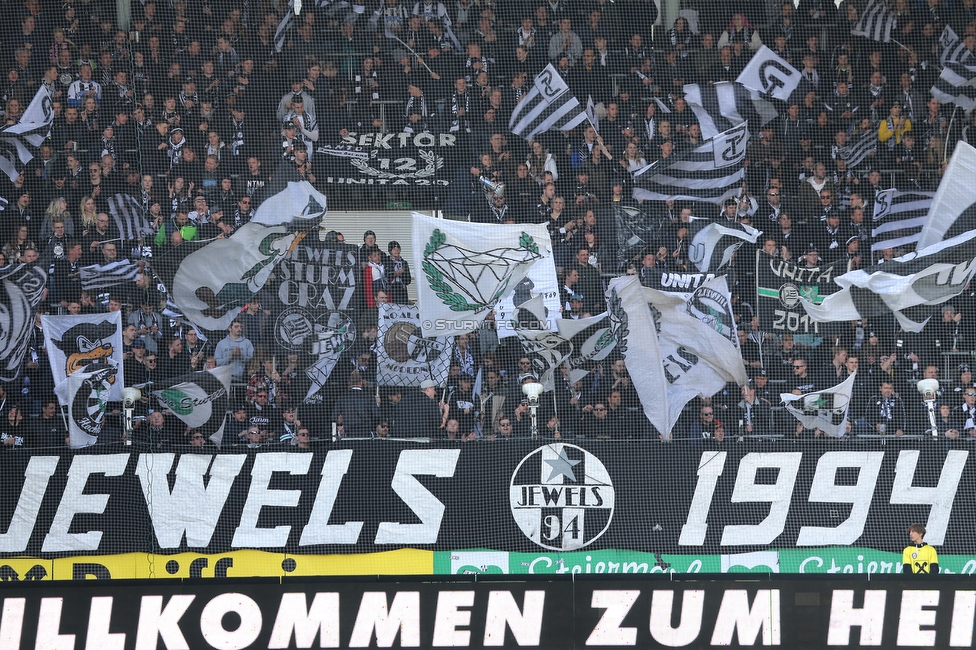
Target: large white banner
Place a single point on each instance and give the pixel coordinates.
(699, 357)
(403, 356)
(639, 348)
(213, 283)
(464, 269)
(89, 342)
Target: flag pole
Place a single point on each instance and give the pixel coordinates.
(389, 34)
(945, 148)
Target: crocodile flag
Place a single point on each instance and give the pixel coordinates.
(403, 356)
(21, 290)
(89, 342)
(200, 400)
(466, 269)
(823, 409)
(639, 347)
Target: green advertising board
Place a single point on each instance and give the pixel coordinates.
(813, 560)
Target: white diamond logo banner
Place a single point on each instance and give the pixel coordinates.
(467, 268)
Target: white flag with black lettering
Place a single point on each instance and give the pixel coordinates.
(712, 247)
(823, 409)
(466, 268)
(768, 73)
(699, 358)
(639, 348)
(539, 281)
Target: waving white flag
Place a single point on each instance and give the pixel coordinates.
(823, 409)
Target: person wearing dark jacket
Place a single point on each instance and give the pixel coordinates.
(356, 411)
(420, 414)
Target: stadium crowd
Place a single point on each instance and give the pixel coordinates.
(192, 106)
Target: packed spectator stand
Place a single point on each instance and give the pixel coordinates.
(192, 108)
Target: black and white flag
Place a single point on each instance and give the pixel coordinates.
(86, 342)
(768, 73)
(129, 216)
(875, 22)
(284, 26)
(545, 348)
(20, 142)
(856, 152)
(726, 104)
(956, 84)
(591, 341)
(712, 247)
(823, 409)
(950, 48)
(21, 291)
(86, 393)
(200, 400)
(548, 105)
(909, 286)
(780, 285)
(898, 218)
(711, 173)
(403, 356)
(949, 215)
(103, 276)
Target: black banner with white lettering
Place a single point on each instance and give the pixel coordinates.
(414, 162)
(560, 612)
(514, 496)
(779, 287)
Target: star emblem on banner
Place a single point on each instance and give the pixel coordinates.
(561, 465)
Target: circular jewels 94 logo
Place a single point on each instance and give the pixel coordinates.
(561, 497)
